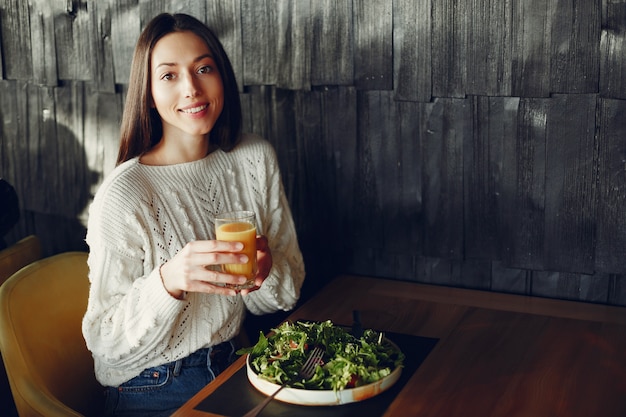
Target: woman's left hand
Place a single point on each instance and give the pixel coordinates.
(263, 262)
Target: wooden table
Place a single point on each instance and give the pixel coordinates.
(497, 355)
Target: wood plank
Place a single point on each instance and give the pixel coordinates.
(402, 201)
(224, 18)
(611, 222)
(70, 161)
(332, 43)
(43, 44)
(446, 125)
(260, 38)
(73, 35)
(531, 42)
(256, 102)
(15, 40)
(495, 121)
(489, 48)
(125, 29)
(526, 169)
(373, 44)
(151, 8)
(510, 280)
(13, 153)
(449, 48)
(1, 53)
(293, 53)
(571, 286)
(617, 289)
(388, 186)
(104, 68)
(412, 54)
(340, 132)
(282, 127)
(612, 51)
(575, 58)
(571, 165)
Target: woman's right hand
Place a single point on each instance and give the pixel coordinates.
(187, 271)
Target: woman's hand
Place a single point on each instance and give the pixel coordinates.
(190, 269)
(263, 264)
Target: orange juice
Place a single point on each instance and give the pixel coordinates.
(245, 233)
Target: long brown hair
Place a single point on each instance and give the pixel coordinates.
(141, 125)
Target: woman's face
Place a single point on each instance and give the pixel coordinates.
(186, 86)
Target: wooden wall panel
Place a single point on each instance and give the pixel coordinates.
(151, 8)
(224, 18)
(293, 54)
(104, 74)
(340, 133)
(42, 44)
(73, 36)
(332, 43)
(617, 289)
(449, 58)
(592, 288)
(494, 128)
(571, 163)
(260, 63)
(612, 51)
(412, 54)
(1, 53)
(12, 162)
(477, 144)
(531, 42)
(489, 48)
(575, 54)
(125, 29)
(444, 127)
(15, 40)
(611, 218)
(524, 240)
(373, 44)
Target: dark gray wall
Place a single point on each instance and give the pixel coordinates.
(472, 143)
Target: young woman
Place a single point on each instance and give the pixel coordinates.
(160, 321)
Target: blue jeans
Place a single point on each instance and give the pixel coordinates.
(161, 390)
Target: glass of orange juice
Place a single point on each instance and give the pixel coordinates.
(239, 226)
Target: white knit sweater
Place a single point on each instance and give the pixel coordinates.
(142, 216)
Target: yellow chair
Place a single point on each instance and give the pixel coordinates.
(19, 255)
(49, 367)
(12, 259)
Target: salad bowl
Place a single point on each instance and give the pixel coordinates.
(301, 396)
(355, 368)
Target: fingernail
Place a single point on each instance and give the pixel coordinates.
(243, 259)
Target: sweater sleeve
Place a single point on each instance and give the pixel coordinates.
(281, 289)
(130, 314)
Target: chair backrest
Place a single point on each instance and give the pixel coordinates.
(12, 259)
(18, 255)
(49, 367)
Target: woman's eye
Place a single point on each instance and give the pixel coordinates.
(167, 77)
(205, 69)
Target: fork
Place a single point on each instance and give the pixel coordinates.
(306, 371)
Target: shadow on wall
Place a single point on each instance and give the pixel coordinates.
(54, 189)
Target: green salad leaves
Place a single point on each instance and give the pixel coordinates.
(348, 361)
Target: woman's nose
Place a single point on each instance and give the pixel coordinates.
(190, 85)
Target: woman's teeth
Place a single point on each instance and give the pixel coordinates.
(195, 109)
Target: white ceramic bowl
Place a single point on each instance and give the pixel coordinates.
(322, 397)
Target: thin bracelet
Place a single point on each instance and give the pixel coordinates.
(183, 297)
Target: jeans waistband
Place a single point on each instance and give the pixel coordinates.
(205, 357)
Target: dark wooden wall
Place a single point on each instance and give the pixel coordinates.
(471, 143)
